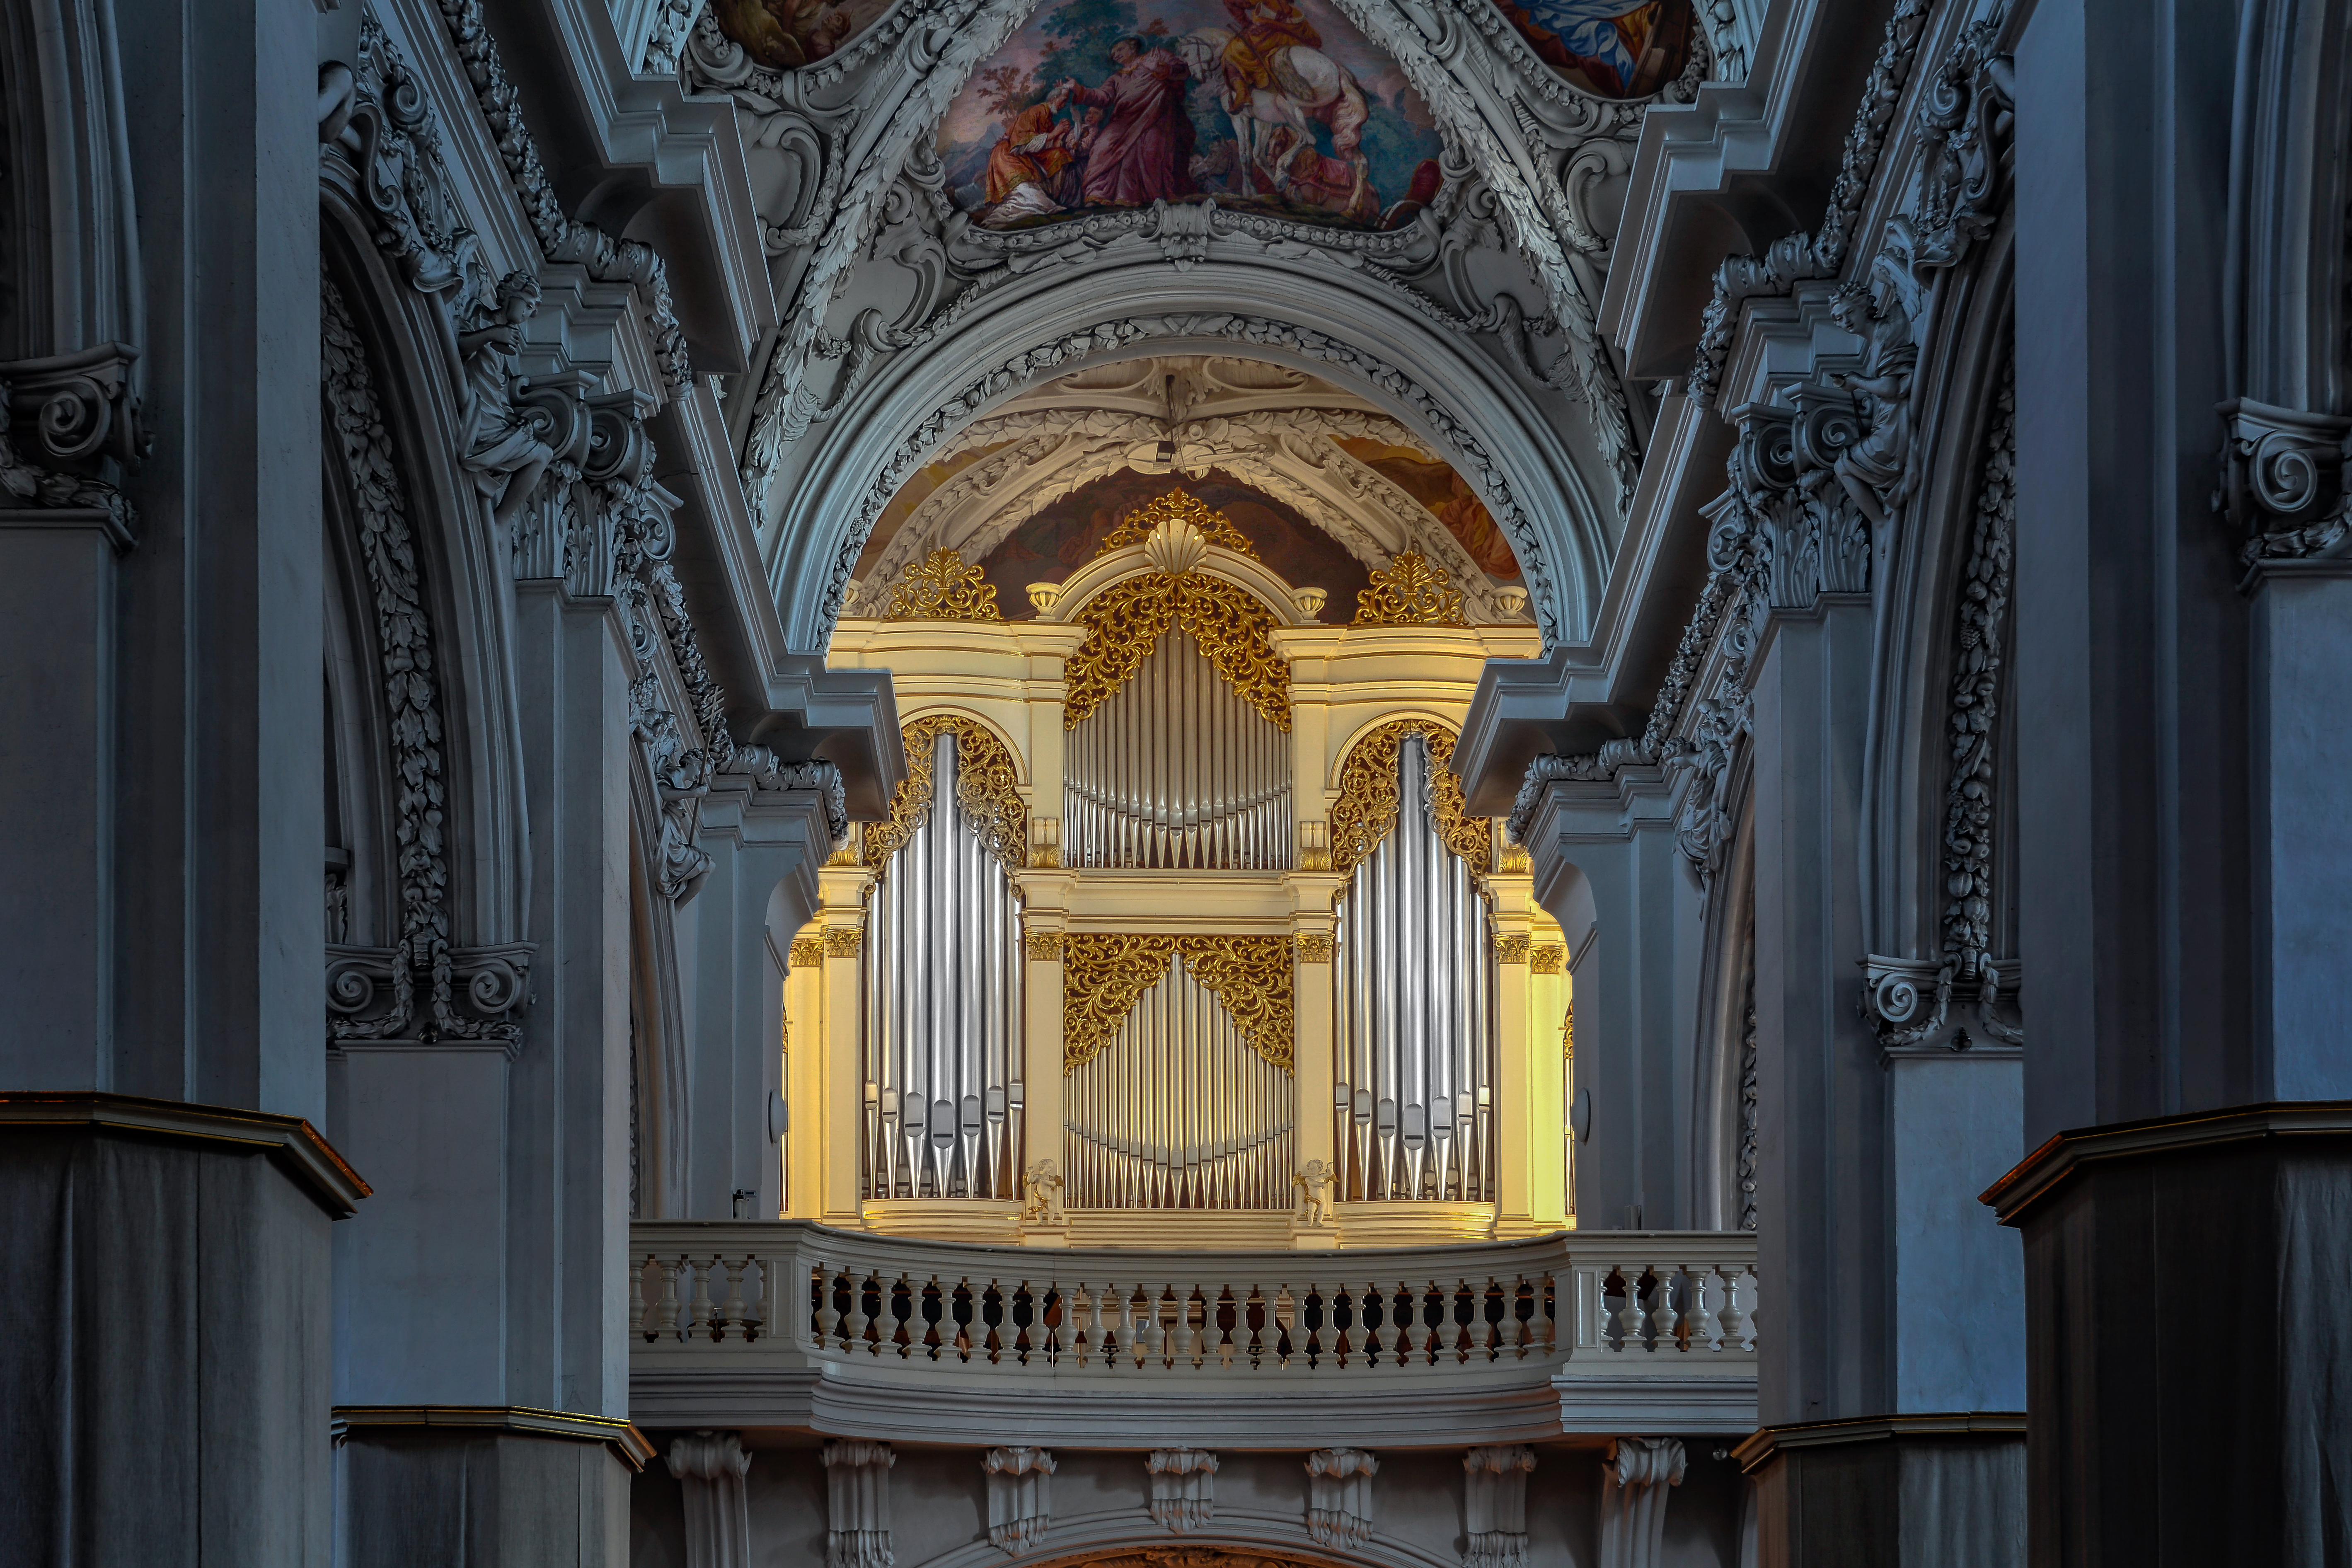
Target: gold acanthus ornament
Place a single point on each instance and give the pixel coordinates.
(987, 791)
(807, 952)
(1368, 804)
(1125, 621)
(1511, 950)
(940, 587)
(843, 942)
(1105, 974)
(1174, 512)
(1547, 958)
(1413, 592)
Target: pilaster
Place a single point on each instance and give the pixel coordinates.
(839, 933)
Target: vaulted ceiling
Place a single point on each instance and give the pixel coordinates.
(1343, 253)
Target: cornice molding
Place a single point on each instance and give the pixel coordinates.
(2048, 1168)
(1752, 1453)
(303, 1151)
(631, 1446)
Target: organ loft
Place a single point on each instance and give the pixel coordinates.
(1174, 783)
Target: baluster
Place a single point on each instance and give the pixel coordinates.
(1188, 1338)
(854, 1325)
(666, 1317)
(1666, 1322)
(1734, 1320)
(1314, 1338)
(697, 1316)
(1224, 1339)
(1752, 1291)
(1286, 1324)
(990, 1342)
(1251, 1320)
(730, 1311)
(1637, 1306)
(828, 1317)
(1152, 1342)
(1522, 1333)
(1497, 1313)
(761, 1315)
(637, 1295)
(1706, 1333)
(1085, 1337)
(1130, 1325)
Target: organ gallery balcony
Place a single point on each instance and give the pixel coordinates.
(790, 1325)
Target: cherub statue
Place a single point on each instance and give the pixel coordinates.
(1314, 1180)
(1045, 1184)
(500, 439)
(1876, 469)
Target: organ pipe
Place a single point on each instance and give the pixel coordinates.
(941, 1030)
(1414, 993)
(1178, 1111)
(1176, 770)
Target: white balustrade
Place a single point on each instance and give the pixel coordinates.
(720, 1288)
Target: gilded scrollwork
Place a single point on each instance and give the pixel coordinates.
(1105, 974)
(1177, 506)
(987, 791)
(1413, 592)
(1126, 619)
(940, 587)
(1368, 804)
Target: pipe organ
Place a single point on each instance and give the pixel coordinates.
(1179, 1110)
(1290, 990)
(1412, 981)
(1176, 770)
(942, 972)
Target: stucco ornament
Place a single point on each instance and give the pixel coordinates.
(499, 442)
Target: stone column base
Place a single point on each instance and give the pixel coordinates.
(524, 1488)
(2188, 1336)
(1890, 1491)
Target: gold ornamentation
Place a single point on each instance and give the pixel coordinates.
(1413, 592)
(985, 792)
(941, 588)
(1178, 506)
(1126, 620)
(1315, 846)
(1546, 958)
(1514, 860)
(1106, 975)
(807, 952)
(1568, 1034)
(1044, 843)
(843, 942)
(1369, 803)
(1314, 947)
(1510, 949)
(1187, 1557)
(1045, 946)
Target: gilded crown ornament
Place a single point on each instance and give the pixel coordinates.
(1413, 592)
(1177, 506)
(942, 588)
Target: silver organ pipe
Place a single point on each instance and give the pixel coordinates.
(1178, 1112)
(941, 1011)
(1414, 991)
(1176, 770)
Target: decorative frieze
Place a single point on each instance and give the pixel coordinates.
(1020, 1497)
(1494, 1505)
(1340, 1497)
(857, 1505)
(1183, 1487)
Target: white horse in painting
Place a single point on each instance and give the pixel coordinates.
(1312, 86)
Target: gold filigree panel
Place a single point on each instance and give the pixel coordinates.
(1413, 592)
(1124, 621)
(1177, 506)
(986, 790)
(1368, 801)
(940, 587)
(1105, 974)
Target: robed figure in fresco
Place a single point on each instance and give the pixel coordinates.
(1623, 49)
(1143, 152)
(1026, 167)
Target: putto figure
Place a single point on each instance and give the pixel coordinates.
(500, 443)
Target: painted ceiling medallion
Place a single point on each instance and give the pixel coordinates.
(1413, 592)
(943, 588)
(1612, 48)
(1279, 107)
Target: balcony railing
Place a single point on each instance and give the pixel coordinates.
(790, 1324)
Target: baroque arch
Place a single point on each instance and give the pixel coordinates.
(1426, 378)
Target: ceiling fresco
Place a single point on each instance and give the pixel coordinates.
(782, 33)
(1612, 48)
(1276, 106)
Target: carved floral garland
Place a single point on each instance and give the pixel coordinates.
(1126, 621)
(1369, 798)
(1104, 976)
(986, 792)
(405, 636)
